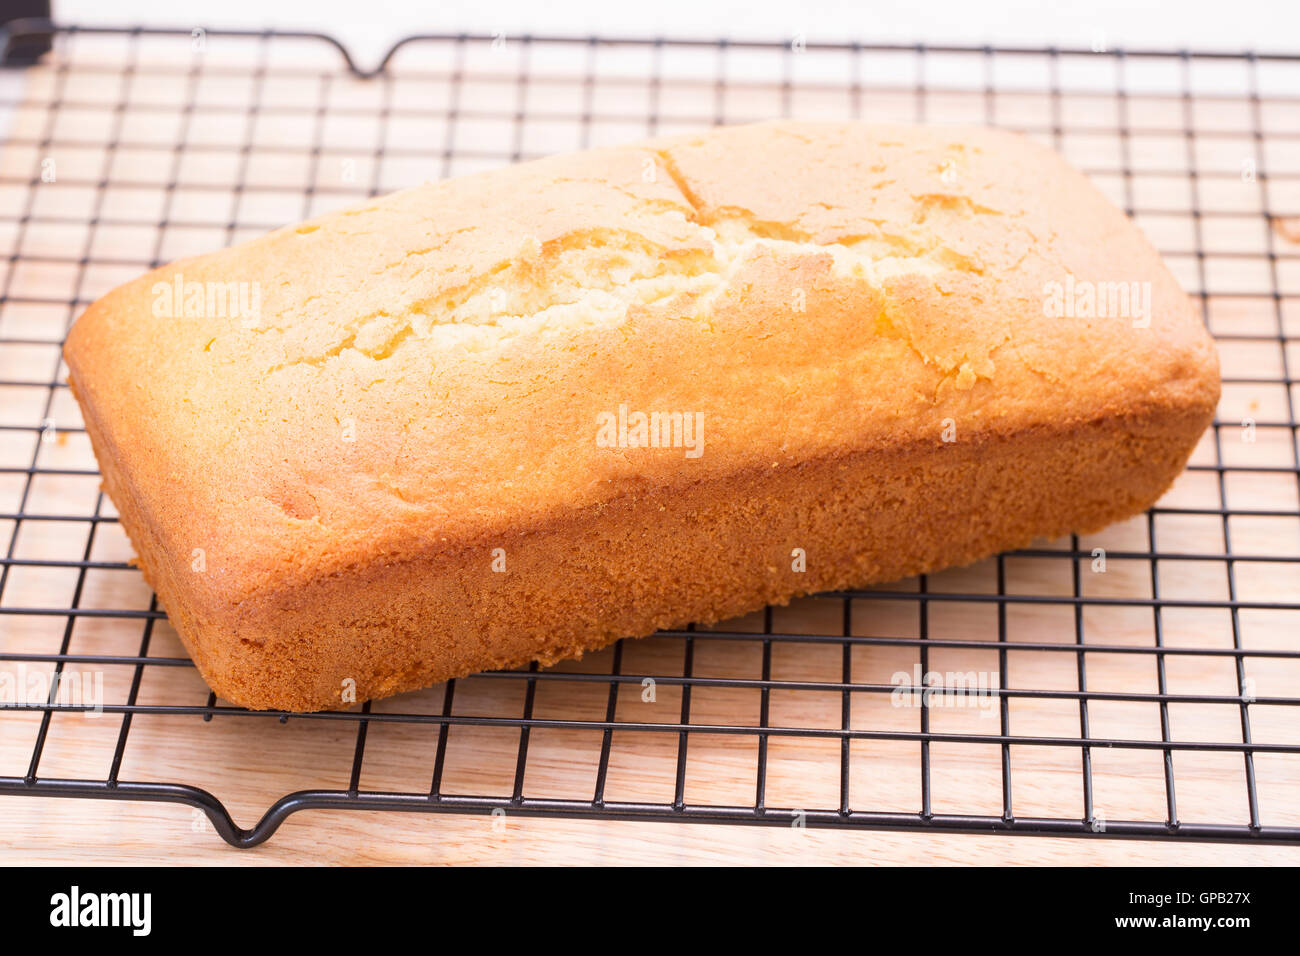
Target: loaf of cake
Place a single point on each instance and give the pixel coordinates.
(521, 414)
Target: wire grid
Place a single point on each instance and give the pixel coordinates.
(1170, 678)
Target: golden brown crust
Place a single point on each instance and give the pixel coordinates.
(424, 380)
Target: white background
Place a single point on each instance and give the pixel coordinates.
(368, 27)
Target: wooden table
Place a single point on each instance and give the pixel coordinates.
(132, 834)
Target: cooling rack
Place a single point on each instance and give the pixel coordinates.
(1142, 682)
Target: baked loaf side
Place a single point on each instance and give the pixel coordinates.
(888, 349)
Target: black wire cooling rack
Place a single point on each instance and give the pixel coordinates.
(1164, 652)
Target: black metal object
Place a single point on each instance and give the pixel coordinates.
(844, 813)
(28, 42)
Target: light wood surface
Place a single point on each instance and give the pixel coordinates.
(131, 834)
(250, 761)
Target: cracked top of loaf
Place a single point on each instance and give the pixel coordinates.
(428, 370)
